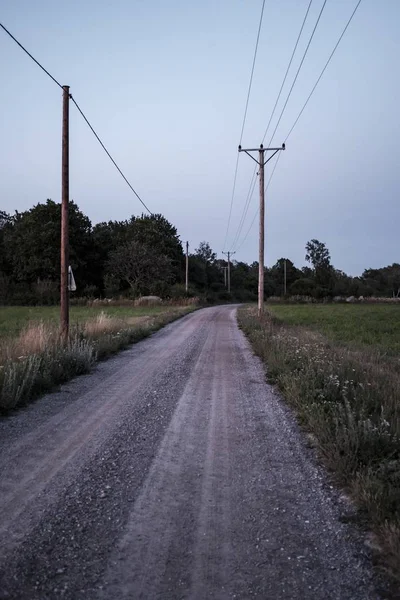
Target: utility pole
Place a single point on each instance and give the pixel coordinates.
(225, 270)
(187, 267)
(64, 296)
(229, 254)
(261, 163)
(284, 277)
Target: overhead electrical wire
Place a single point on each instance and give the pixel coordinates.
(290, 91)
(302, 109)
(244, 119)
(253, 179)
(324, 69)
(297, 72)
(246, 208)
(288, 68)
(81, 112)
(32, 57)
(109, 155)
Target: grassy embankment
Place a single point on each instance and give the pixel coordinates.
(33, 359)
(339, 367)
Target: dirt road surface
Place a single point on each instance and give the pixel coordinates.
(173, 471)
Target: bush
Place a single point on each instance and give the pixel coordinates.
(178, 290)
(303, 287)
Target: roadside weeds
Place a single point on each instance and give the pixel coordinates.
(37, 359)
(349, 400)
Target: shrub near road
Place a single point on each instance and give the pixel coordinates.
(348, 397)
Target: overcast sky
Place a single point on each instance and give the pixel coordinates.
(165, 82)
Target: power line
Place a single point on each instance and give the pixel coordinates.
(298, 70)
(253, 178)
(320, 75)
(109, 155)
(244, 119)
(232, 197)
(295, 77)
(304, 106)
(288, 68)
(252, 72)
(30, 56)
(81, 112)
(246, 207)
(323, 70)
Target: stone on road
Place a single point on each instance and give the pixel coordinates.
(172, 471)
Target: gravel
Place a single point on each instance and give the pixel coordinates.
(173, 471)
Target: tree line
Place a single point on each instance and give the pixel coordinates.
(144, 255)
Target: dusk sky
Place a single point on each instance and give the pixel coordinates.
(164, 83)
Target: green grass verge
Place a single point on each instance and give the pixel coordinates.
(348, 399)
(374, 325)
(24, 378)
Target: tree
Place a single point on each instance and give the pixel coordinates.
(4, 218)
(5, 224)
(204, 267)
(384, 281)
(32, 244)
(150, 230)
(277, 273)
(303, 287)
(318, 255)
(205, 253)
(141, 267)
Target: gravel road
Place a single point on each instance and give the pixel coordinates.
(172, 471)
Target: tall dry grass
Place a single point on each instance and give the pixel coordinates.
(37, 359)
(350, 401)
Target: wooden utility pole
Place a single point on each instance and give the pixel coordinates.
(261, 229)
(261, 164)
(225, 270)
(64, 297)
(187, 267)
(229, 254)
(284, 277)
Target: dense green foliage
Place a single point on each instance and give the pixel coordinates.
(144, 255)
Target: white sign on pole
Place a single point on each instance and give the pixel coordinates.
(71, 281)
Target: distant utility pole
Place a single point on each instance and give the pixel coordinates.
(229, 254)
(261, 163)
(64, 297)
(284, 277)
(187, 267)
(225, 270)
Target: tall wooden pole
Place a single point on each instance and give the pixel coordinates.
(229, 254)
(64, 298)
(187, 267)
(261, 237)
(229, 272)
(284, 277)
(261, 163)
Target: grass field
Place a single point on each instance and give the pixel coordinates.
(338, 367)
(14, 318)
(376, 326)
